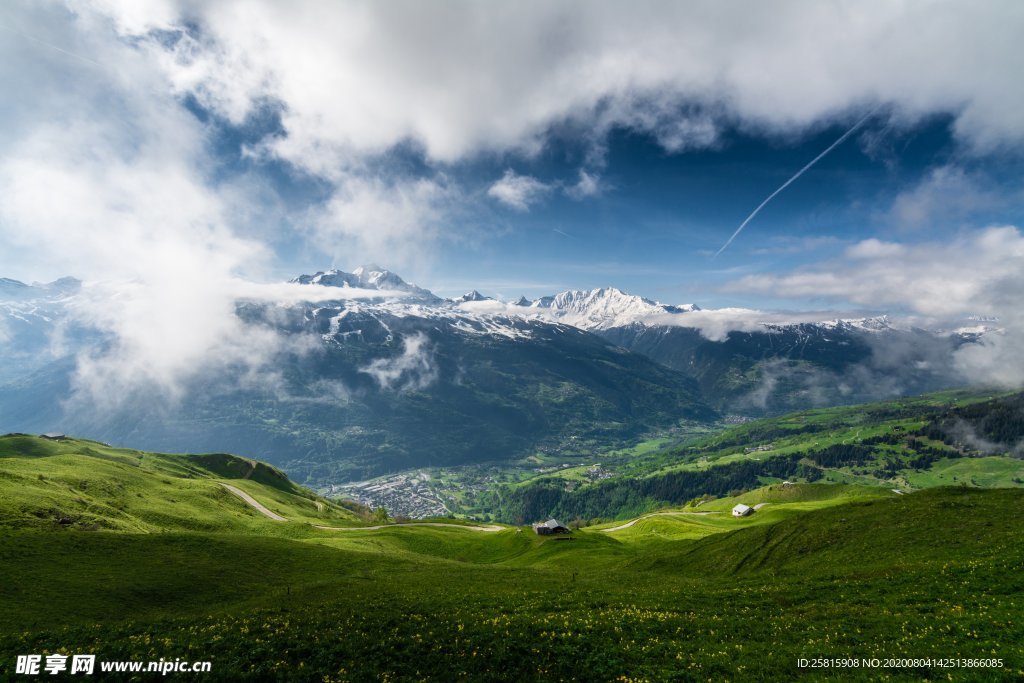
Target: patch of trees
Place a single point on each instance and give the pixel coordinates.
(891, 439)
(765, 433)
(989, 427)
(842, 455)
(630, 497)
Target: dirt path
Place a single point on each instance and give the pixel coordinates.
(655, 514)
(389, 526)
(253, 502)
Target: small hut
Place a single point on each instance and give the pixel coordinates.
(53, 436)
(552, 526)
(742, 510)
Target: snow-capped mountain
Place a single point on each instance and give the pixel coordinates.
(595, 310)
(472, 295)
(28, 315)
(392, 381)
(359, 386)
(601, 309)
(371, 277)
(743, 362)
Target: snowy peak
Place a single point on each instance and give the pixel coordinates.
(369, 277)
(14, 290)
(472, 296)
(875, 324)
(602, 309)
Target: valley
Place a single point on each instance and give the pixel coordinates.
(511, 342)
(878, 445)
(412, 443)
(369, 376)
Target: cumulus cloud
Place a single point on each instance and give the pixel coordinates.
(946, 195)
(377, 217)
(360, 77)
(124, 199)
(412, 370)
(518, 191)
(588, 185)
(979, 273)
(107, 174)
(972, 274)
(354, 82)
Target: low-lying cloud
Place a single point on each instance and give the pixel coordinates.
(413, 369)
(107, 174)
(980, 273)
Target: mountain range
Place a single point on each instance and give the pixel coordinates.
(408, 378)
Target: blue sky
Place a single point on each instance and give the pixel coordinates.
(519, 148)
(657, 216)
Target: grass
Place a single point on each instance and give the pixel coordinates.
(715, 516)
(898, 444)
(989, 471)
(881, 578)
(88, 485)
(189, 571)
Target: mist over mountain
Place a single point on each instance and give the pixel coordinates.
(380, 384)
(752, 362)
(363, 373)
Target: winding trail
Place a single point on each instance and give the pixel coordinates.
(253, 502)
(657, 514)
(491, 527)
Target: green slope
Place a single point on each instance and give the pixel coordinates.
(88, 485)
(820, 571)
(905, 444)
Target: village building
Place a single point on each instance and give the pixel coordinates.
(552, 526)
(742, 510)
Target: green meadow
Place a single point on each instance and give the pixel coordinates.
(142, 556)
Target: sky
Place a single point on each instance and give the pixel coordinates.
(193, 149)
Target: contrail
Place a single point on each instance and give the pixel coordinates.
(26, 36)
(790, 181)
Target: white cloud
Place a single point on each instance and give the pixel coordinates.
(518, 191)
(375, 219)
(356, 81)
(947, 195)
(588, 185)
(979, 273)
(106, 177)
(414, 369)
(874, 248)
(357, 78)
(787, 244)
(967, 275)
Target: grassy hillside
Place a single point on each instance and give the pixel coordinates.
(889, 578)
(942, 439)
(87, 485)
(819, 571)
